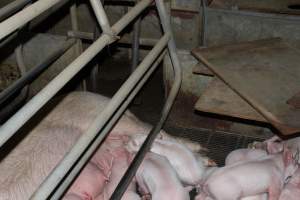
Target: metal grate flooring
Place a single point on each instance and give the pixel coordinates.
(218, 143)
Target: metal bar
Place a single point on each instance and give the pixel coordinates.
(11, 106)
(75, 27)
(136, 44)
(24, 16)
(142, 41)
(124, 39)
(12, 7)
(84, 141)
(121, 24)
(101, 17)
(34, 23)
(78, 45)
(85, 158)
(81, 35)
(131, 171)
(8, 129)
(204, 23)
(45, 15)
(32, 74)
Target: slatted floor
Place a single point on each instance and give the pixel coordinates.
(220, 144)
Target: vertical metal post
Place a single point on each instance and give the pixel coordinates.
(78, 45)
(101, 17)
(204, 23)
(135, 50)
(135, 43)
(130, 173)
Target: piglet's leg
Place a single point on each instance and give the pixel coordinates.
(274, 190)
(73, 196)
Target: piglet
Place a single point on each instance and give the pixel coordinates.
(241, 155)
(121, 163)
(243, 179)
(187, 167)
(88, 185)
(291, 190)
(193, 146)
(157, 177)
(256, 197)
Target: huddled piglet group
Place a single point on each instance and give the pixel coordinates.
(169, 171)
(269, 170)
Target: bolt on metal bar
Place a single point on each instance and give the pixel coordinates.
(87, 155)
(146, 146)
(13, 124)
(24, 16)
(84, 141)
(101, 17)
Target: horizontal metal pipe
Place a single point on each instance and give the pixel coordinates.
(142, 41)
(34, 23)
(87, 155)
(124, 39)
(8, 129)
(120, 25)
(28, 77)
(24, 16)
(131, 171)
(45, 15)
(84, 141)
(81, 35)
(12, 7)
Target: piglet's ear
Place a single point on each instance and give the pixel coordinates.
(287, 156)
(275, 147)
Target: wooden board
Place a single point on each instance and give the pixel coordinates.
(201, 69)
(267, 6)
(218, 98)
(266, 73)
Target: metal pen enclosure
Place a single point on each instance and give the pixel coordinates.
(106, 119)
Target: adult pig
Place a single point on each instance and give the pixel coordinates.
(42, 148)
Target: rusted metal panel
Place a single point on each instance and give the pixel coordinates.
(218, 98)
(265, 73)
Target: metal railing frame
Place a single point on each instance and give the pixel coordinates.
(57, 181)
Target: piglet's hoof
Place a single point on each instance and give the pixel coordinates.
(146, 197)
